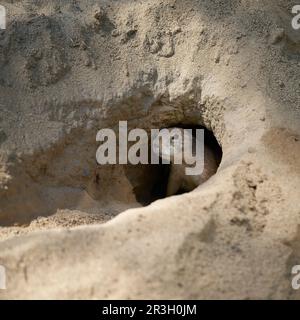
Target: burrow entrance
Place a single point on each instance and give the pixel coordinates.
(151, 181)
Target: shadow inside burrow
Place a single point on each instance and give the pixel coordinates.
(150, 182)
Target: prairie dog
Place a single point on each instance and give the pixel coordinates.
(178, 179)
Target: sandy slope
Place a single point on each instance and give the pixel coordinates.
(71, 68)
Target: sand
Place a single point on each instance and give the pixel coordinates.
(70, 228)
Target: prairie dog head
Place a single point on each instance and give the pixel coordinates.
(170, 143)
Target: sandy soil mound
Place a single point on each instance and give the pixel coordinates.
(70, 68)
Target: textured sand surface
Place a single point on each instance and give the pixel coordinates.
(70, 68)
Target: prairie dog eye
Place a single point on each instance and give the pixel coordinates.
(176, 137)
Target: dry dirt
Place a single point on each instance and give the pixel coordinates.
(72, 229)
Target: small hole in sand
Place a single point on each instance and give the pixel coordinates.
(156, 179)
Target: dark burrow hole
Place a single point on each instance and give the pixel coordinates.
(154, 179)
